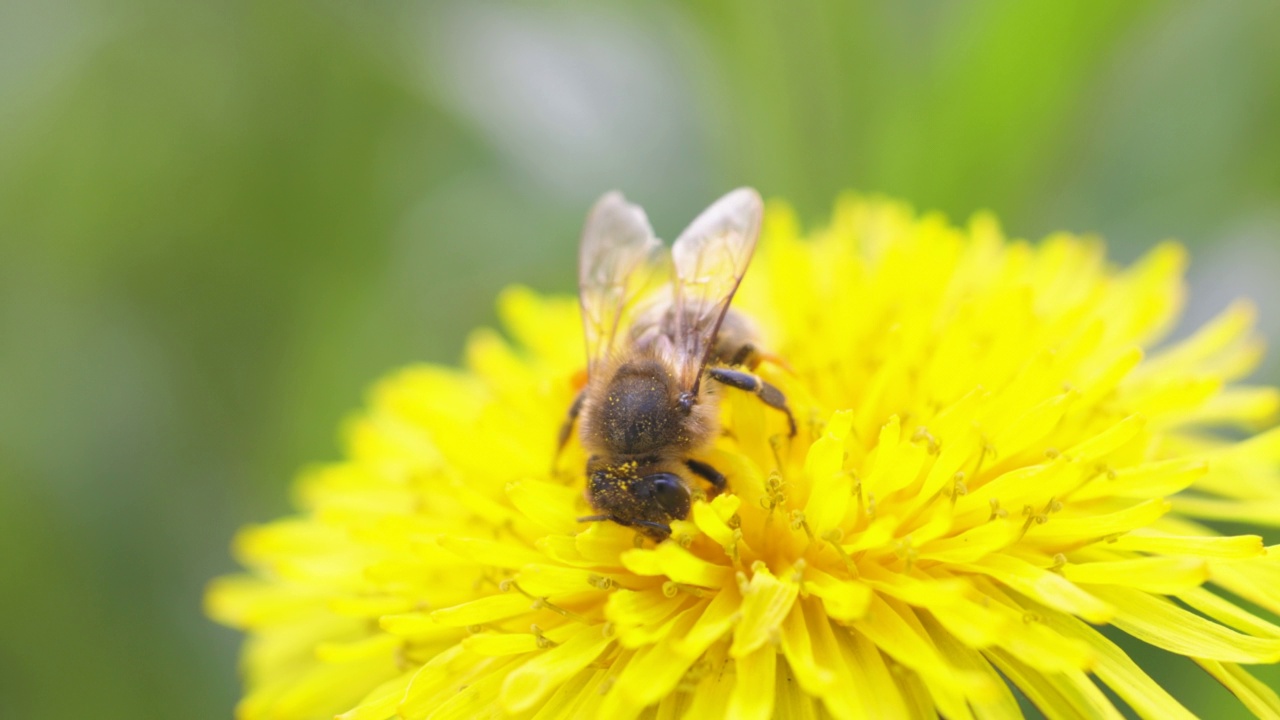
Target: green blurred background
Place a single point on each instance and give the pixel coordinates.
(219, 222)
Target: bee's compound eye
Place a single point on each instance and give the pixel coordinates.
(670, 494)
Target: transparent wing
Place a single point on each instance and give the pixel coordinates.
(710, 258)
(614, 264)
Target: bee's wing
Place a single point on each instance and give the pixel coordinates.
(710, 258)
(615, 261)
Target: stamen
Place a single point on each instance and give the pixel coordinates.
(543, 642)
(600, 582)
(922, 433)
(401, 658)
(834, 536)
(671, 588)
(798, 522)
(734, 553)
(1039, 518)
(541, 603)
(775, 442)
(774, 495)
(797, 572)
(903, 549)
(958, 488)
(986, 449)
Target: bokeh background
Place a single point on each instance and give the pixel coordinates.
(220, 222)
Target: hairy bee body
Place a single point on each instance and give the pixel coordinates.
(650, 404)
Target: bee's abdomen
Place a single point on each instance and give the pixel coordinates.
(638, 412)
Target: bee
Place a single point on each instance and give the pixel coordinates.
(650, 403)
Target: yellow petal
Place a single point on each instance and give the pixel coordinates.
(843, 599)
(637, 608)
(830, 486)
(676, 563)
(1034, 424)
(972, 544)
(710, 523)
(484, 610)
(1118, 671)
(490, 552)
(887, 627)
(1255, 512)
(549, 505)
(528, 684)
(1159, 622)
(634, 636)
(1150, 479)
(1164, 574)
(1028, 639)
(1062, 695)
(546, 579)
(382, 702)
(752, 697)
(999, 702)
(501, 643)
(766, 602)
(653, 671)
(1044, 586)
(1255, 579)
(1107, 441)
(869, 677)
(1228, 613)
(373, 646)
(715, 620)
(1064, 532)
(418, 626)
(1238, 546)
(797, 647)
(1261, 700)
(370, 606)
(432, 679)
(713, 689)
(843, 699)
(1185, 357)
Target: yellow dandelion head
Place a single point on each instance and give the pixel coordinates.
(994, 456)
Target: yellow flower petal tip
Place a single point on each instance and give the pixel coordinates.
(996, 451)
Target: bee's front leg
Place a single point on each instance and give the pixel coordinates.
(566, 428)
(767, 393)
(708, 473)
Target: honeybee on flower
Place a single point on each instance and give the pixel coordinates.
(997, 453)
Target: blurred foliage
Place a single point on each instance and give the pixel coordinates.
(219, 222)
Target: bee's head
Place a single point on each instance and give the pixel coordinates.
(665, 492)
(649, 502)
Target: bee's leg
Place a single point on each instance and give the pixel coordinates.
(767, 393)
(566, 428)
(708, 473)
(746, 355)
(595, 518)
(664, 531)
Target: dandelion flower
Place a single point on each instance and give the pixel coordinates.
(996, 455)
